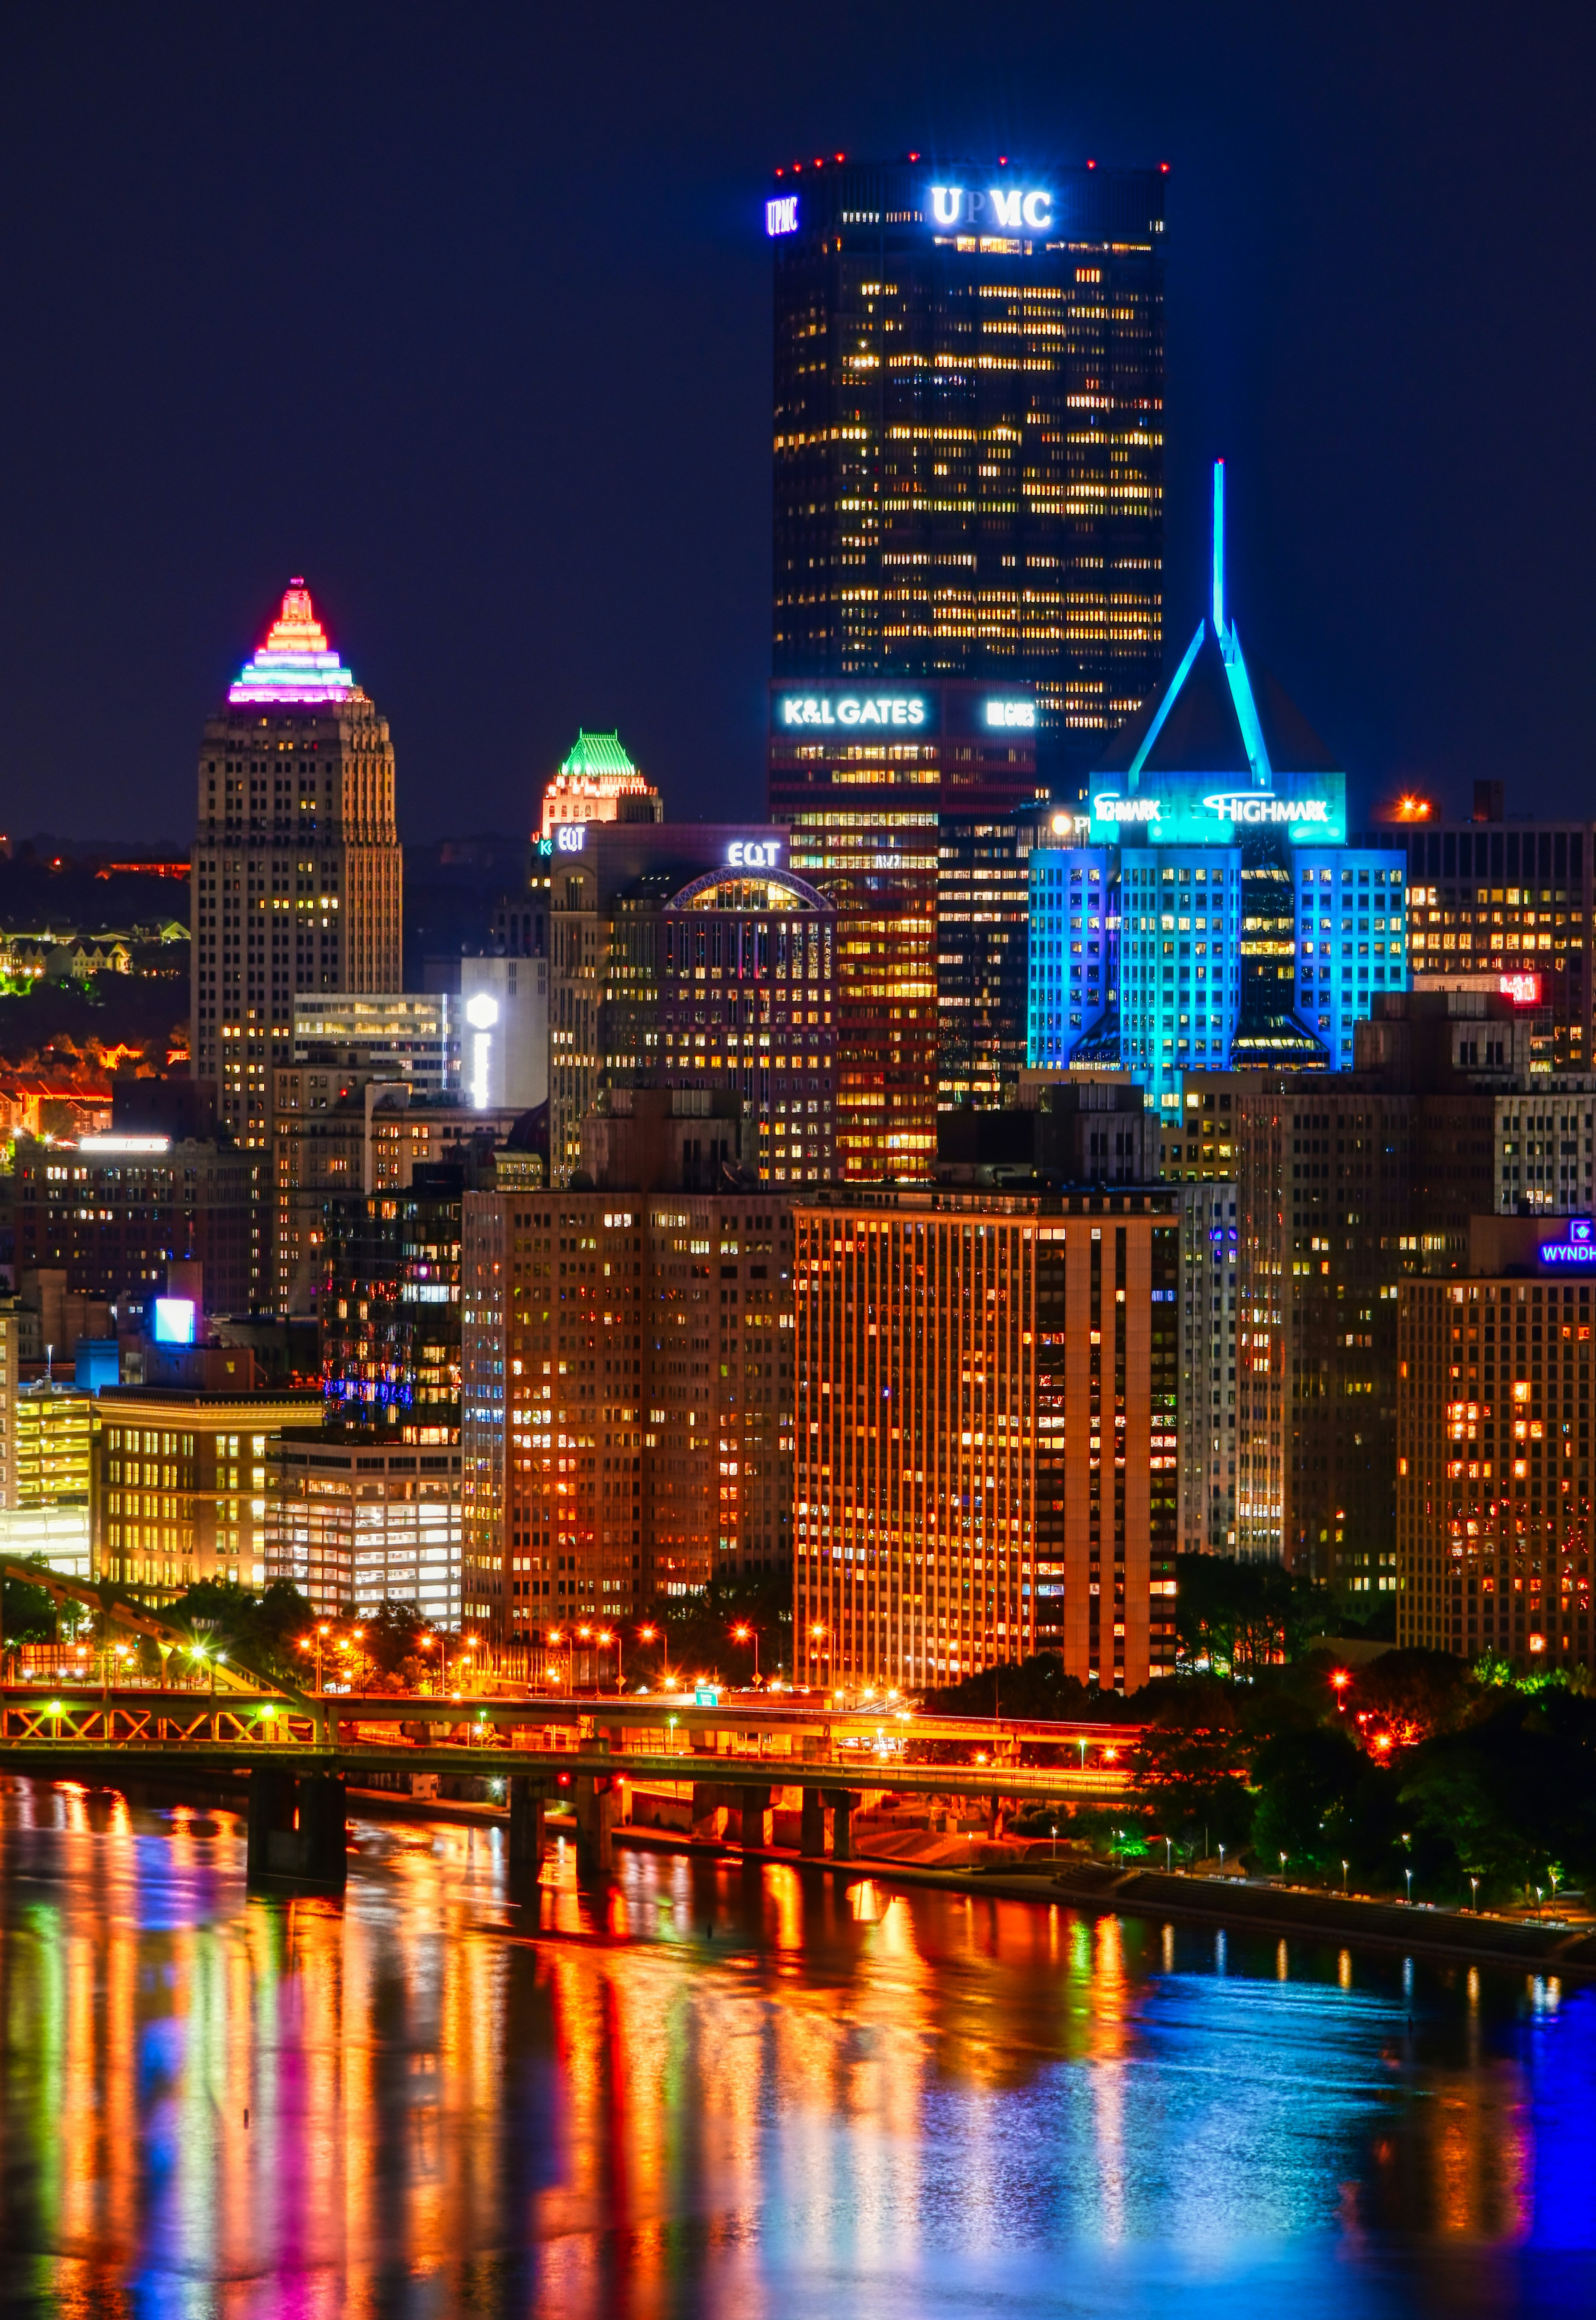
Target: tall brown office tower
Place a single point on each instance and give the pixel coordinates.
(296, 863)
(968, 433)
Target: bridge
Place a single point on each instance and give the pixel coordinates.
(301, 1751)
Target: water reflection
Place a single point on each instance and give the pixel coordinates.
(714, 2090)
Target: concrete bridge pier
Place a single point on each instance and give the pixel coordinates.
(596, 1803)
(529, 1802)
(811, 1826)
(708, 1798)
(753, 1816)
(296, 1829)
(843, 1803)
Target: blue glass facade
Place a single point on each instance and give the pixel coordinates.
(1220, 922)
(1074, 949)
(1180, 944)
(1352, 938)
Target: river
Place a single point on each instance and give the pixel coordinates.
(728, 2092)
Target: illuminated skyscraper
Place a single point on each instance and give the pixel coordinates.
(887, 792)
(296, 863)
(969, 433)
(1214, 914)
(985, 1438)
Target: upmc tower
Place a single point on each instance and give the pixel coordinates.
(969, 433)
(968, 551)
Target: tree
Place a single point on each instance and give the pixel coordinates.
(1037, 1688)
(1404, 1697)
(1237, 1618)
(1307, 1784)
(1511, 1794)
(1191, 1764)
(29, 1613)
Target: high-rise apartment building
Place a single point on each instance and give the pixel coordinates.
(1506, 906)
(296, 878)
(1493, 1451)
(356, 1518)
(115, 1211)
(1209, 1331)
(628, 1397)
(865, 781)
(969, 433)
(391, 1305)
(986, 1434)
(983, 931)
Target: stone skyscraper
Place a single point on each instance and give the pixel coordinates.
(296, 879)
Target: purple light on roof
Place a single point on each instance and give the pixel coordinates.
(295, 663)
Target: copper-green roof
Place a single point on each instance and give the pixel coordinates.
(597, 755)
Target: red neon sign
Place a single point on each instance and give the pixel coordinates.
(1523, 990)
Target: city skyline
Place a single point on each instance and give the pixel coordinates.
(1374, 581)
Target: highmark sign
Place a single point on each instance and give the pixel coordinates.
(1193, 809)
(1579, 1248)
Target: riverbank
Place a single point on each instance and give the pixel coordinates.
(1094, 1888)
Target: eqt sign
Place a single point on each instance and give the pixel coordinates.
(995, 209)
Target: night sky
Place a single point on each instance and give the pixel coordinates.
(465, 314)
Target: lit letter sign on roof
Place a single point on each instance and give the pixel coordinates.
(1523, 990)
(754, 853)
(1255, 806)
(781, 215)
(850, 708)
(1110, 807)
(1579, 1248)
(1013, 714)
(1000, 209)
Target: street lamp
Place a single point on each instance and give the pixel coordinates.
(1408, 1873)
(1168, 1856)
(1474, 1882)
(1283, 1864)
(1056, 1840)
(604, 1640)
(1344, 1877)
(1221, 1860)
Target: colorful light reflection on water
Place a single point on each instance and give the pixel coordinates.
(715, 2091)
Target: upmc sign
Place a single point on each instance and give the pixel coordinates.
(994, 209)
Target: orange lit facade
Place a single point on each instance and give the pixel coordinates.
(1494, 1470)
(986, 1462)
(628, 1399)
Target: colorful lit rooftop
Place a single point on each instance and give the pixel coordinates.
(598, 781)
(295, 663)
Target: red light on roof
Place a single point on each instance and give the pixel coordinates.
(839, 157)
(1002, 160)
(1091, 165)
(819, 161)
(915, 157)
(779, 173)
(1163, 168)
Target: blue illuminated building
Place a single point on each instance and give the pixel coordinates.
(1214, 917)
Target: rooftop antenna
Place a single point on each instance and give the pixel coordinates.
(1219, 549)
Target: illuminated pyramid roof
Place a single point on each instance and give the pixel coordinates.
(599, 757)
(295, 663)
(1219, 714)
